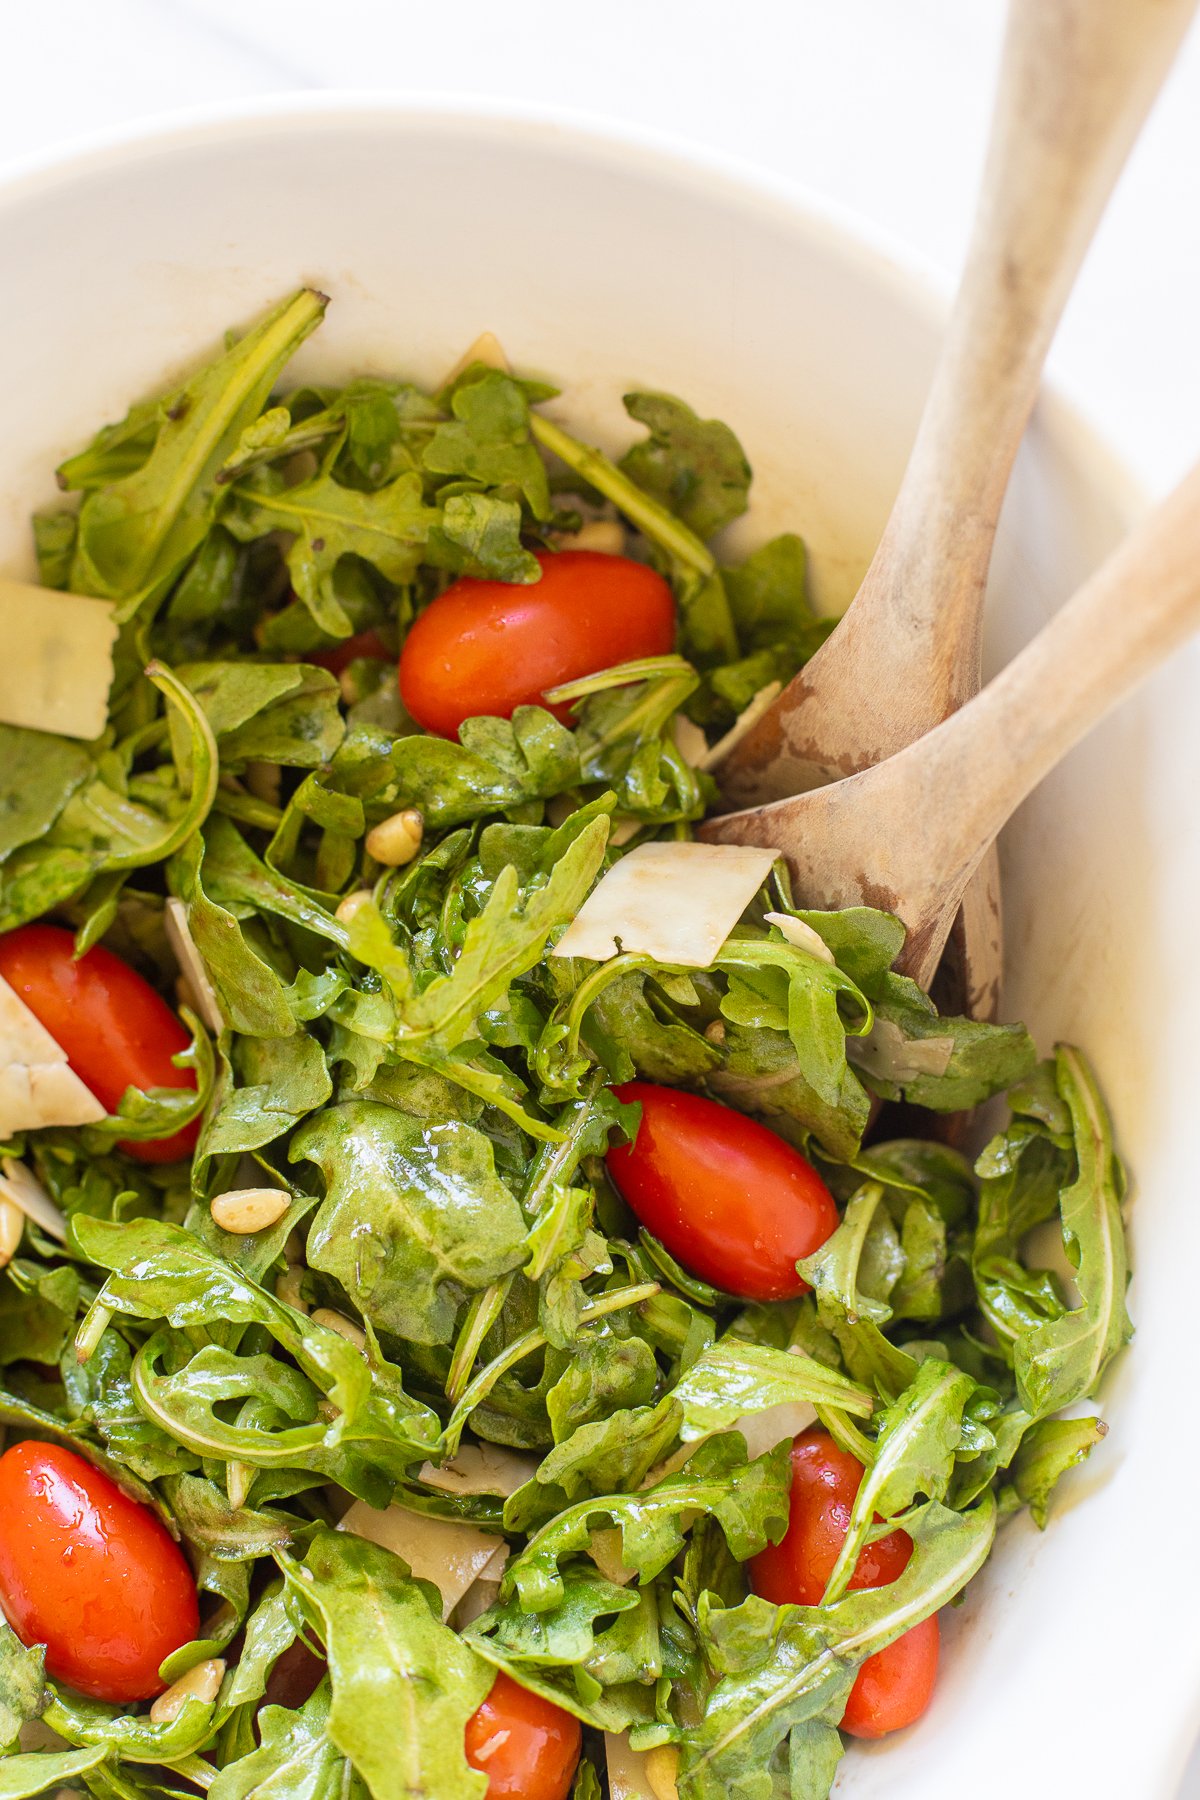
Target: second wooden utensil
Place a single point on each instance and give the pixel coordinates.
(908, 834)
(1078, 78)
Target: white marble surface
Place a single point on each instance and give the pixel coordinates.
(880, 104)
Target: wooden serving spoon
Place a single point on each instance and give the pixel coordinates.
(907, 834)
(1077, 79)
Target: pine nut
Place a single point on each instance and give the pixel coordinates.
(12, 1226)
(605, 535)
(662, 1767)
(201, 1683)
(290, 1289)
(395, 841)
(265, 781)
(715, 1032)
(336, 1321)
(352, 904)
(244, 1211)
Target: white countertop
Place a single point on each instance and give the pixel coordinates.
(881, 105)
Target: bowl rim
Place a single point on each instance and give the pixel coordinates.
(884, 258)
(915, 278)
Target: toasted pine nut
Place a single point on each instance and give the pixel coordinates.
(351, 904)
(715, 1031)
(395, 841)
(12, 1225)
(289, 1288)
(336, 1321)
(201, 1683)
(246, 1210)
(605, 535)
(662, 1767)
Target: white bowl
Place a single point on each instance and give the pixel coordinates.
(612, 262)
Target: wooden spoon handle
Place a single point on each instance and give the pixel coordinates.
(974, 770)
(1077, 79)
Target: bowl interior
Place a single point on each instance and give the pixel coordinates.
(608, 264)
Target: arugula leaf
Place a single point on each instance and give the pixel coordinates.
(138, 529)
(921, 1436)
(748, 1500)
(488, 441)
(38, 1772)
(693, 466)
(296, 1759)
(768, 1728)
(386, 528)
(38, 774)
(268, 712)
(1048, 1449)
(403, 1684)
(1059, 1352)
(415, 1216)
(498, 764)
(732, 1379)
(506, 939)
(22, 1686)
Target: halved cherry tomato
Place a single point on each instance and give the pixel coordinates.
(117, 1032)
(340, 656)
(91, 1574)
(491, 646)
(527, 1747)
(893, 1687)
(732, 1202)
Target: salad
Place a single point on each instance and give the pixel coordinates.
(495, 1298)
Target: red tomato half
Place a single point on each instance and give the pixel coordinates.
(893, 1687)
(91, 1574)
(491, 646)
(731, 1201)
(117, 1032)
(527, 1747)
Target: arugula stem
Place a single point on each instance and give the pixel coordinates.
(194, 1769)
(96, 1322)
(247, 809)
(669, 533)
(482, 1314)
(478, 1390)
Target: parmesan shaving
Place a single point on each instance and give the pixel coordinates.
(452, 1556)
(37, 1086)
(191, 965)
(604, 1548)
(57, 665)
(742, 726)
(487, 349)
(19, 1184)
(627, 1776)
(675, 902)
(887, 1054)
(801, 935)
(763, 1430)
(480, 1469)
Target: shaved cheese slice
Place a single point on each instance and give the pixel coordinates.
(191, 965)
(478, 1598)
(486, 349)
(801, 935)
(763, 1430)
(450, 1555)
(37, 1087)
(604, 1548)
(690, 741)
(57, 665)
(742, 726)
(627, 1775)
(886, 1053)
(19, 1184)
(480, 1469)
(675, 902)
